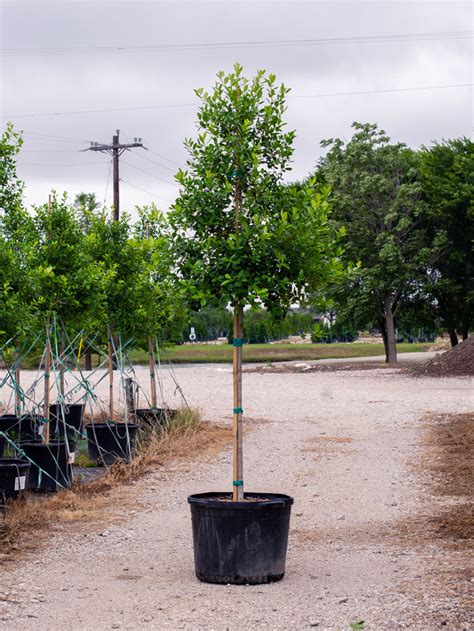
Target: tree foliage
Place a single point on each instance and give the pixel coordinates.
(240, 235)
(447, 170)
(376, 195)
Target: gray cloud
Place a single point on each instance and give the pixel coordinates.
(69, 82)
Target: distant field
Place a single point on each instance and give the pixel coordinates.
(265, 353)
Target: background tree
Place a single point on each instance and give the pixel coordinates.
(86, 205)
(447, 170)
(240, 235)
(376, 195)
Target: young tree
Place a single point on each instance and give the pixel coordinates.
(376, 195)
(240, 235)
(447, 170)
(16, 233)
(160, 303)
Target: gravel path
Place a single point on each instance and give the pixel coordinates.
(342, 444)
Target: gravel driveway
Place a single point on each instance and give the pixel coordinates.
(343, 444)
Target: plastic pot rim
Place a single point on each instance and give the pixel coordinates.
(269, 500)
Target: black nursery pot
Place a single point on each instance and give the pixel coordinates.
(108, 442)
(153, 417)
(240, 542)
(24, 428)
(49, 465)
(13, 476)
(72, 417)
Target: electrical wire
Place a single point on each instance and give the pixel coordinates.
(403, 37)
(61, 164)
(108, 180)
(296, 96)
(166, 199)
(148, 173)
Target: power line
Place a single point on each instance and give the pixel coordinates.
(300, 96)
(402, 37)
(61, 164)
(148, 173)
(166, 199)
(163, 166)
(55, 138)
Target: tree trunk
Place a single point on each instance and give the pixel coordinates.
(391, 348)
(151, 358)
(88, 359)
(383, 330)
(111, 377)
(453, 336)
(47, 368)
(238, 483)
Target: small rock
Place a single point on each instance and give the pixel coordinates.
(341, 517)
(314, 623)
(343, 600)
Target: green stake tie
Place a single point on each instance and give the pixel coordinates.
(238, 483)
(238, 411)
(237, 341)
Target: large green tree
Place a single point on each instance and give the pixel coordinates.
(447, 170)
(376, 195)
(240, 235)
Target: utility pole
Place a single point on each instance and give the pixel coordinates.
(115, 150)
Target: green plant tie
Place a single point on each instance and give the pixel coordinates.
(238, 483)
(237, 341)
(238, 411)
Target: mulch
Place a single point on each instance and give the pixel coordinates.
(457, 362)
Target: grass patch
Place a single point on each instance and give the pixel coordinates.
(268, 353)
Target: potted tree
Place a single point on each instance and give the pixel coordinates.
(64, 284)
(113, 247)
(241, 235)
(160, 303)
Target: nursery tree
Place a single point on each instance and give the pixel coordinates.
(240, 235)
(159, 301)
(15, 236)
(377, 197)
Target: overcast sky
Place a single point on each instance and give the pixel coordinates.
(35, 82)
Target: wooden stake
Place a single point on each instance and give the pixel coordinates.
(47, 369)
(151, 359)
(17, 384)
(111, 379)
(238, 490)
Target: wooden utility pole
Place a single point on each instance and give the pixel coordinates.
(115, 150)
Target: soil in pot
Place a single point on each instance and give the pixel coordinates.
(66, 417)
(240, 542)
(13, 476)
(108, 442)
(49, 465)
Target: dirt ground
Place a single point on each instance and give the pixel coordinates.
(352, 447)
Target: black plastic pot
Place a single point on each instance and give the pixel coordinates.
(13, 476)
(27, 427)
(69, 417)
(240, 542)
(153, 417)
(108, 442)
(49, 465)
(2, 445)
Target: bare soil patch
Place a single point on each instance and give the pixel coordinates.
(457, 362)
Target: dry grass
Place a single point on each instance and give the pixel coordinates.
(27, 522)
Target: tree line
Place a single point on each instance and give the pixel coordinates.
(380, 235)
